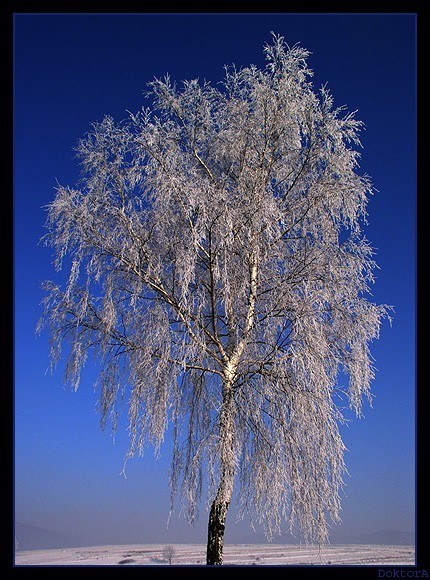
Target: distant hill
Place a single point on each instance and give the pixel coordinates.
(382, 537)
(392, 537)
(31, 537)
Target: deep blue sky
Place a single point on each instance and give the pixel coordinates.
(69, 71)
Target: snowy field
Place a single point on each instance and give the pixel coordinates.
(239, 555)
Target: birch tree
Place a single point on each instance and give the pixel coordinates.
(218, 267)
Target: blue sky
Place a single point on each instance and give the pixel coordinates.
(72, 69)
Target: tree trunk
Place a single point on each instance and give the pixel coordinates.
(216, 527)
(221, 503)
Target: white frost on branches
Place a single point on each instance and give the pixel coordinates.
(218, 267)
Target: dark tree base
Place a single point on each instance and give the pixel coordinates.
(216, 527)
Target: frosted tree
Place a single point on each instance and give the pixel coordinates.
(218, 268)
(169, 554)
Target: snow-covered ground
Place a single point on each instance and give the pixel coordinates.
(244, 554)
